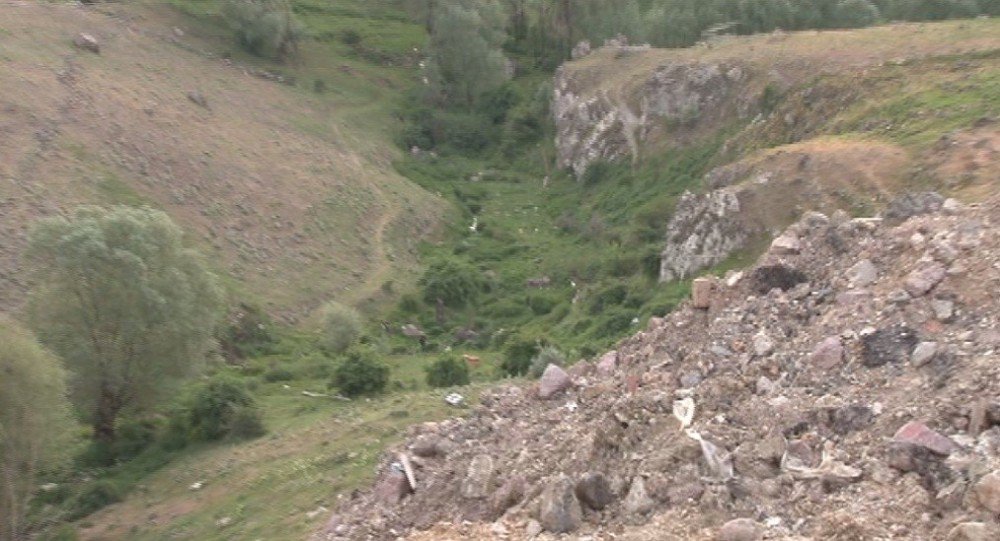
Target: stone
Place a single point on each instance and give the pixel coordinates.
(510, 493)
(786, 244)
(701, 292)
(703, 231)
(198, 98)
(554, 381)
(478, 478)
(608, 363)
(762, 345)
(779, 276)
(392, 487)
(851, 419)
(428, 446)
(533, 529)
(638, 502)
(912, 204)
(87, 42)
(923, 353)
(829, 354)
(974, 531)
(944, 309)
(893, 344)
(988, 492)
(559, 510)
(918, 433)
(862, 274)
(594, 491)
(922, 280)
(740, 529)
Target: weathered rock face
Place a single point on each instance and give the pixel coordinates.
(704, 231)
(594, 124)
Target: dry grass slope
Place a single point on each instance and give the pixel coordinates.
(282, 188)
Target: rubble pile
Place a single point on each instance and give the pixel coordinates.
(845, 387)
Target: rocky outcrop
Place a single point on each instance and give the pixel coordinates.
(704, 231)
(611, 123)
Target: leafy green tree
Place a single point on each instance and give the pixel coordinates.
(220, 408)
(264, 27)
(124, 303)
(33, 417)
(340, 327)
(465, 56)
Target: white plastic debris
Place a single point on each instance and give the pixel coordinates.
(571, 406)
(454, 399)
(684, 411)
(197, 485)
(719, 461)
(827, 467)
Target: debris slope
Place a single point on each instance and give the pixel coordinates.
(846, 386)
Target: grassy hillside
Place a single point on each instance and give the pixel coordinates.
(288, 187)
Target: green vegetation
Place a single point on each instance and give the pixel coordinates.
(264, 27)
(340, 327)
(124, 303)
(448, 371)
(221, 408)
(360, 373)
(34, 418)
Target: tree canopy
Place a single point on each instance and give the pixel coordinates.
(33, 420)
(124, 303)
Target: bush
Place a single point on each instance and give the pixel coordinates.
(518, 354)
(96, 495)
(246, 334)
(340, 327)
(263, 27)
(217, 409)
(134, 437)
(546, 356)
(360, 374)
(351, 37)
(454, 281)
(448, 371)
(278, 374)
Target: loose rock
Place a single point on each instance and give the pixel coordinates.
(741, 529)
(559, 510)
(554, 381)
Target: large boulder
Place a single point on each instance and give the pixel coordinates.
(559, 510)
(554, 381)
(594, 491)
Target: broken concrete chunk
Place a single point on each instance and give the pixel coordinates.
(638, 502)
(478, 478)
(701, 292)
(988, 492)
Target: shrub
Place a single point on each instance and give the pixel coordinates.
(448, 371)
(247, 333)
(278, 374)
(351, 37)
(454, 281)
(340, 327)
(542, 304)
(95, 496)
(518, 354)
(134, 437)
(216, 408)
(546, 356)
(264, 27)
(360, 374)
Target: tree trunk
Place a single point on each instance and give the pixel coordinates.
(108, 407)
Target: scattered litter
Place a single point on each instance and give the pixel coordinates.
(571, 406)
(684, 411)
(313, 395)
(197, 485)
(404, 461)
(454, 399)
(719, 461)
